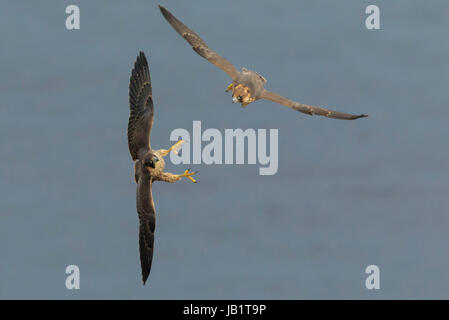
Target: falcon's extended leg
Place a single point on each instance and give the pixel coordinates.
(173, 148)
(188, 174)
(170, 177)
(230, 87)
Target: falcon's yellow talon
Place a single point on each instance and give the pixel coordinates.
(230, 87)
(172, 148)
(188, 174)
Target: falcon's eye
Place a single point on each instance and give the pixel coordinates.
(240, 98)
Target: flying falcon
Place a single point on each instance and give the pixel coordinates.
(148, 163)
(247, 86)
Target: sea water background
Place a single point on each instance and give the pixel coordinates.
(347, 194)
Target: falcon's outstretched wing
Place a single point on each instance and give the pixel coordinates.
(141, 108)
(147, 219)
(199, 45)
(268, 95)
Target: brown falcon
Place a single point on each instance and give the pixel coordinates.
(247, 86)
(148, 163)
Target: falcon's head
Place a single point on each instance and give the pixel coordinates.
(242, 94)
(153, 163)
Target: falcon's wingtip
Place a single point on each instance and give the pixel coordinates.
(163, 9)
(145, 277)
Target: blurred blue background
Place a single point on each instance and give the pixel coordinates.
(347, 193)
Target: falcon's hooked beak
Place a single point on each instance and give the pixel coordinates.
(235, 100)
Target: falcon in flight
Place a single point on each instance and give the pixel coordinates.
(148, 163)
(247, 86)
